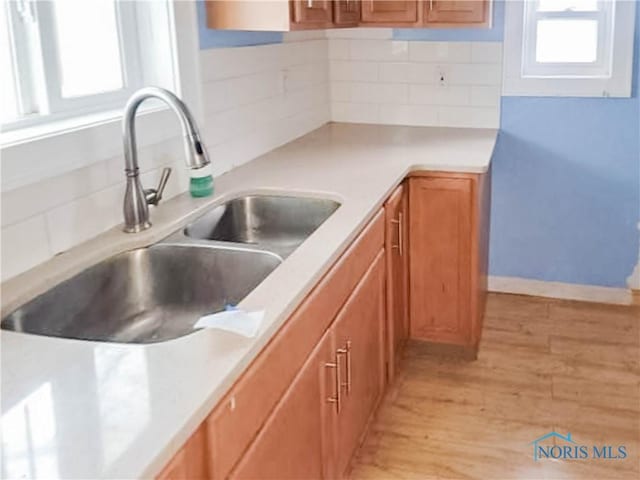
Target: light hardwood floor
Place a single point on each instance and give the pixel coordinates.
(543, 365)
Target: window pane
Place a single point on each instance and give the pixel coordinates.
(567, 41)
(564, 5)
(89, 46)
(8, 94)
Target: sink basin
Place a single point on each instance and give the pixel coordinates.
(275, 223)
(146, 295)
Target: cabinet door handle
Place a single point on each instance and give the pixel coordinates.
(399, 222)
(347, 352)
(430, 4)
(309, 3)
(337, 396)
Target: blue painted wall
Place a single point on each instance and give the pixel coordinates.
(566, 188)
(230, 38)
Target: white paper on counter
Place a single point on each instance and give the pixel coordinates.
(237, 321)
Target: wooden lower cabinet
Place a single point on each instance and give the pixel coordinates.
(292, 444)
(190, 463)
(318, 424)
(300, 410)
(448, 253)
(397, 255)
(359, 334)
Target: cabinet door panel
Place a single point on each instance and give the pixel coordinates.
(359, 328)
(389, 11)
(311, 12)
(397, 267)
(453, 12)
(294, 443)
(346, 12)
(440, 252)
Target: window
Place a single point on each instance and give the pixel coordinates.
(67, 58)
(569, 47)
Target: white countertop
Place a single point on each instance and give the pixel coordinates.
(78, 409)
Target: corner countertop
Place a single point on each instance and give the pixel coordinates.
(80, 409)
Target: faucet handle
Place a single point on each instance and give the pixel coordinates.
(154, 195)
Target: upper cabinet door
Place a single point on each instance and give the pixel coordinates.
(389, 11)
(311, 13)
(346, 13)
(448, 13)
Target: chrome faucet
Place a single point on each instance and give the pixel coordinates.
(137, 199)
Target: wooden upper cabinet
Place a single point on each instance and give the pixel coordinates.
(346, 13)
(397, 255)
(312, 13)
(454, 13)
(389, 12)
(269, 15)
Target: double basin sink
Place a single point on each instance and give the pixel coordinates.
(157, 293)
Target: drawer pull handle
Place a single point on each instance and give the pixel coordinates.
(337, 396)
(347, 352)
(399, 222)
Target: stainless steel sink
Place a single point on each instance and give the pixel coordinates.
(275, 223)
(146, 295)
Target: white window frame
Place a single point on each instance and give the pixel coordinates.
(32, 25)
(33, 154)
(609, 76)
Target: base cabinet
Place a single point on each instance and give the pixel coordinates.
(292, 443)
(448, 253)
(300, 410)
(397, 261)
(359, 334)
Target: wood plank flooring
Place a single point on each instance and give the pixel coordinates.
(544, 365)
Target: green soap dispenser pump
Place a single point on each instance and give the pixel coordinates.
(201, 181)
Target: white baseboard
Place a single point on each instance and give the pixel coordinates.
(567, 291)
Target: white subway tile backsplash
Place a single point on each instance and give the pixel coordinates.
(355, 112)
(486, 52)
(440, 52)
(439, 95)
(379, 50)
(338, 49)
(474, 117)
(424, 72)
(86, 217)
(395, 72)
(353, 71)
(475, 74)
(445, 83)
(486, 96)
(379, 92)
(24, 245)
(361, 33)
